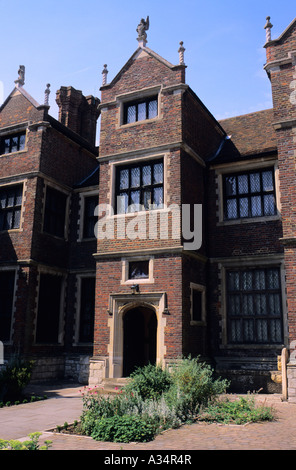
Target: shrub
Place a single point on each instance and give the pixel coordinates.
(124, 429)
(150, 382)
(32, 444)
(193, 386)
(14, 377)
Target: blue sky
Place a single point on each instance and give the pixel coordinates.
(67, 42)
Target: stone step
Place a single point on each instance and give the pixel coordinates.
(114, 385)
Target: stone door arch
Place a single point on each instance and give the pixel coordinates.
(150, 306)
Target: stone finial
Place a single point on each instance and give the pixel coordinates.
(21, 76)
(46, 95)
(268, 27)
(105, 73)
(181, 51)
(142, 27)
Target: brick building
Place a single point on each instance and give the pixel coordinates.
(194, 248)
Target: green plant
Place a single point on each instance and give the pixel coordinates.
(32, 444)
(193, 386)
(241, 411)
(150, 382)
(124, 429)
(14, 377)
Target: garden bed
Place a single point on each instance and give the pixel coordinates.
(156, 400)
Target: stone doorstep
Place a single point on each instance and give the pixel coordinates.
(114, 385)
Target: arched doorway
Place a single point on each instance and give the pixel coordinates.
(139, 338)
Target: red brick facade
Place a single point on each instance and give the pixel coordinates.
(230, 299)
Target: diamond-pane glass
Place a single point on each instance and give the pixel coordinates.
(242, 182)
(267, 181)
(246, 280)
(255, 184)
(256, 206)
(158, 197)
(273, 279)
(244, 207)
(135, 177)
(152, 109)
(131, 114)
(22, 142)
(147, 198)
(234, 305)
(231, 209)
(235, 331)
(274, 304)
(247, 305)
(260, 304)
(275, 331)
(124, 179)
(141, 111)
(158, 173)
(248, 326)
(146, 175)
(261, 329)
(259, 279)
(135, 199)
(269, 204)
(233, 280)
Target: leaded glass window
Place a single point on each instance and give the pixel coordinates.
(55, 212)
(10, 206)
(249, 195)
(254, 306)
(13, 143)
(139, 187)
(140, 110)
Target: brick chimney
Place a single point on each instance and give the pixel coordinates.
(78, 113)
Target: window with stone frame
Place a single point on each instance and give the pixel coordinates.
(13, 143)
(55, 212)
(138, 269)
(7, 281)
(139, 186)
(49, 308)
(89, 217)
(87, 309)
(140, 110)
(10, 206)
(249, 194)
(254, 306)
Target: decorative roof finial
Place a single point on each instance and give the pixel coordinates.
(46, 95)
(21, 76)
(268, 27)
(181, 51)
(105, 73)
(142, 27)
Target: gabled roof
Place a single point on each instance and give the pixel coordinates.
(284, 33)
(24, 93)
(140, 51)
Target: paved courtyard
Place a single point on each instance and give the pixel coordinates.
(64, 404)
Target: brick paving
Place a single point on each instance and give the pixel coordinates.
(65, 405)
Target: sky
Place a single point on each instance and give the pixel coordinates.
(67, 43)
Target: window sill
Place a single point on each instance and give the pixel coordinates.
(248, 220)
(130, 282)
(12, 230)
(13, 153)
(137, 123)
